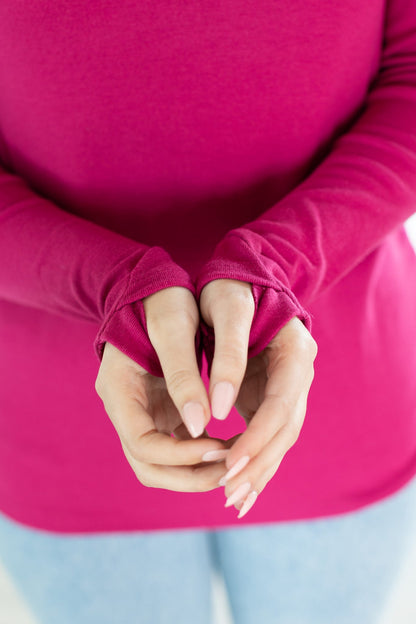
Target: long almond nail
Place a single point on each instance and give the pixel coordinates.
(222, 399)
(238, 467)
(215, 455)
(240, 492)
(193, 417)
(248, 504)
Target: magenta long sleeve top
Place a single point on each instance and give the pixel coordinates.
(146, 145)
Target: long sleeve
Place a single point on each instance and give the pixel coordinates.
(58, 262)
(360, 192)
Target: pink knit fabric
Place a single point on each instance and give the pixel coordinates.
(143, 147)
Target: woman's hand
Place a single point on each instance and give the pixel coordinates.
(145, 410)
(270, 390)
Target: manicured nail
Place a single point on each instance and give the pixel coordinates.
(214, 455)
(240, 492)
(222, 481)
(222, 399)
(193, 417)
(248, 504)
(238, 467)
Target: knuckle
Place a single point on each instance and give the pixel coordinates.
(232, 355)
(98, 386)
(178, 379)
(306, 351)
(304, 340)
(138, 467)
(242, 300)
(180, 321)
(136, 452)
(102, 385)
(304, 345)
(141, 470)
(130, 449)
(170, 332)
(285, 404)
(313, 347)
(139, 447)
(236, 300)
(175, 304)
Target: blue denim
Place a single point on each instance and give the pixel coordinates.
(336, 570)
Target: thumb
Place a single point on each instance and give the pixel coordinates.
(227, 306)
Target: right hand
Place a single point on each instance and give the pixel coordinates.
(145, 410)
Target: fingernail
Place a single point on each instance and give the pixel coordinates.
(214, 455)
(193, 417)
(238, 467)
(222, 400)
(240, 492)
(248, 504)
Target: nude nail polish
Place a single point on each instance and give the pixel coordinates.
(240, 492)
(215, 455)
(238, 467)
(222, 400)
(193, 417)
(248, 504)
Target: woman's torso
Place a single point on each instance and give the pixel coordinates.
(171, 124)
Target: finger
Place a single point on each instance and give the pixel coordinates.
(231, 314)
(172, 326)
(199, 478)
(290, 374)
(243, 490)
(144, 443)
(181, 433)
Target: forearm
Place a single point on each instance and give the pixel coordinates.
(56, 261)
(359, 193)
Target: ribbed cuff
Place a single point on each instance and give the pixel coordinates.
(275, 304)
(124, 324)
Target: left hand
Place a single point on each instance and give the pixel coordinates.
(269, 390)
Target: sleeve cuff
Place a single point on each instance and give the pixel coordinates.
(124, 324)
(275, 304)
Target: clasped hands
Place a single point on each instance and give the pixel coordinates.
(269, 391)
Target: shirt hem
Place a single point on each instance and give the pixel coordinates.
(111, 523)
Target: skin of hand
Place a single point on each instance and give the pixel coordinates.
(269, 390)
(146, 410)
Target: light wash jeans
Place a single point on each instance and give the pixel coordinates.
(337, 570)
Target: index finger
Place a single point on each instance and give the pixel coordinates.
(136, 429)
(289, 374)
